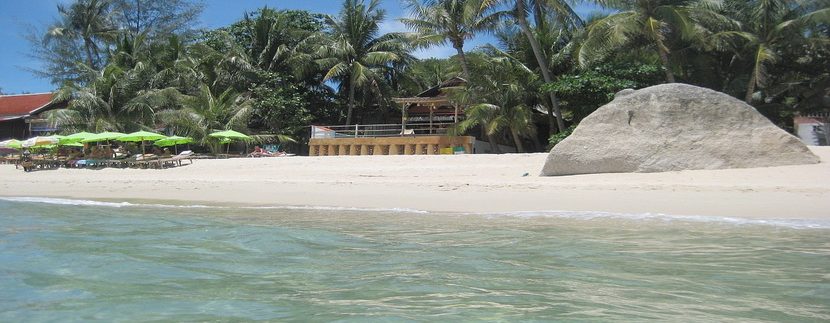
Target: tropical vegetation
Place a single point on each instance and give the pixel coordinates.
(143, 65)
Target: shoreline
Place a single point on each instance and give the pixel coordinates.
(449, 183)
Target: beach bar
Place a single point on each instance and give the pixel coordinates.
(426, 120)
(21, 116)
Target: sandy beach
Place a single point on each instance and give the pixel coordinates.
(452, 183)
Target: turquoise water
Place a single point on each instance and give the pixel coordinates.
(102, 261)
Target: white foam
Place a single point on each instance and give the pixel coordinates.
(336, 208)
(586, 215)
(47, 200)
(79, 202)
(582, 215)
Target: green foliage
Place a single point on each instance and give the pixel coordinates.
(558, 137)
(584, 91)
(499, 101)
(132, 64)
(281, 106)
(357, 56)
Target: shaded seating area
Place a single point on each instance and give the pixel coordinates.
(141, 149)
(95, 151)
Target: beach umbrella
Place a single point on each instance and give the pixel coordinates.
(228, 136)
(104, 136)
(173, 141)
(76, 137)
(11, 144)
(141, 136)
(40, 141)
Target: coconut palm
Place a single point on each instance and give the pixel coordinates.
(89, 21)
(206, 112)
(542, 10)
(278, 43)
(556, 41)
(506, 102)
(116, 100)
(769, 26)
(356, 53)
(646, 23)
(455, 21)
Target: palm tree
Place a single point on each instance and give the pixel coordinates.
(116, 100)
(455, 21)
(87, 20)
(356, 54)
(557, 42)
(506, 103)
(542, 10)
(277, 43)
(769, 26)
(646, 23)
(206, 112)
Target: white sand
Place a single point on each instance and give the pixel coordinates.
(459, 183)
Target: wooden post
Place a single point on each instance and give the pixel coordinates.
(403, 119)
(431, 112)
(455, 116)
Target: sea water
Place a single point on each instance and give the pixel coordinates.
(65, 260)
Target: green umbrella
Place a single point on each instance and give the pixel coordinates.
(174, 141)
(72, 144)
(228, 135)
(11, 143)
(104, 136)
(76, 137)
(141, 136)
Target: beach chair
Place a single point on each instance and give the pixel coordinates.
(272, 149)
(177, 160)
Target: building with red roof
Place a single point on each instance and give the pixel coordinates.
(21, 115)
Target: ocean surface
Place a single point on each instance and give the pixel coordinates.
(69, 260)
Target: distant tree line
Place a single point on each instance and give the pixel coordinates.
(141, 64)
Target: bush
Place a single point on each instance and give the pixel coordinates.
(558, 137)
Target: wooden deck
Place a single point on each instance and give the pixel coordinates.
(406, 145)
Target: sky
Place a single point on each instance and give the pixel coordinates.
(17, 17)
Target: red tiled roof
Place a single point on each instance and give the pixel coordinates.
(24, 104)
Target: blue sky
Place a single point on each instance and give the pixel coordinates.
(17, 16)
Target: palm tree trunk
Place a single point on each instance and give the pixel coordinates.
(664, 58)
(351, 103)
(517, 140)
(89, 60)
(493, 144)
(540, 59)
(551, 117)
(464, 66)
(750, 88)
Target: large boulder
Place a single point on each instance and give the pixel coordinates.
(674, 127)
